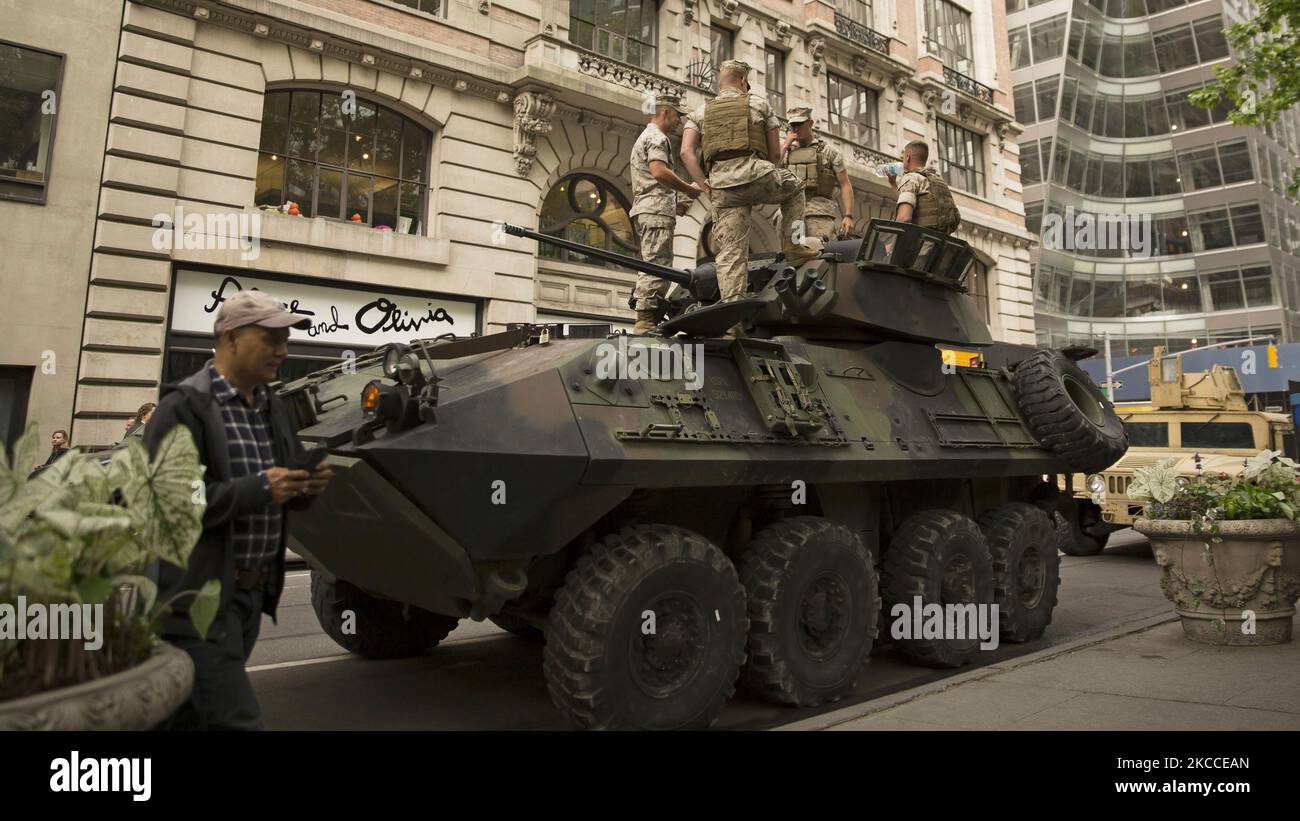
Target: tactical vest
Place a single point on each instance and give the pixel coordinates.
(729, 131)
(935, 208)
(818, 179)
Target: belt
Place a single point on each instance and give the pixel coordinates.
(253, 578)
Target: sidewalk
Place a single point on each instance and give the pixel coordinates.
(1142, 677)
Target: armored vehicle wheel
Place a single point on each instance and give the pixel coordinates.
(609, 664)
(1026, 568)
(940, 556)
(1068, 413)
(377, 628)
(812, 599)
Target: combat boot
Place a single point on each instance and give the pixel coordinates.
(645, 320)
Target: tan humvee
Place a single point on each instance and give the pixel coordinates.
(1200, 420)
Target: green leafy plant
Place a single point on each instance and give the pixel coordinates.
(82, 531)
(1266, 489)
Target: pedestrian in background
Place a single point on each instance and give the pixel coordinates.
(255, 467)
(59, 447)
(135, 427)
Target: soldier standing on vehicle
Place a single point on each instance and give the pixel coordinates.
(923, 196)
(654, 206)
(730, 146)
(820, 167)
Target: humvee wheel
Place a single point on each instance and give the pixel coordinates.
(377, 628)
(1068, 413)
(940, 556)
(1026, 568)
(609, 664)
(812, 599)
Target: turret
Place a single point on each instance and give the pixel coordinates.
(898, 282)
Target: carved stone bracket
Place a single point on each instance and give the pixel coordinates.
(931, 100)
(1002, 128)
(782, 30)
(859, 65)
(484, 6)
(688, 11)
(730, 7)
(817, 51)
(900, 84)
(533, 112)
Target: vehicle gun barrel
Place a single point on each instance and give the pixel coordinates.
(679, 276)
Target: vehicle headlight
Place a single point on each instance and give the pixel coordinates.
(1096, 483)
(1182, 482)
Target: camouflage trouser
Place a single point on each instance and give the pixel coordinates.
(731, 213)
(656, 246)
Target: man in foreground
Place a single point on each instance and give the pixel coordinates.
(255, 466)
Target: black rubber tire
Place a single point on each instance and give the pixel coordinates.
(777, 570)
(1026, 568)
(384, 629)
(599, 664)
(1080, 543)
(919, 551)
(1068, 413)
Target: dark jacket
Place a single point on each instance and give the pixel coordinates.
(190, 403)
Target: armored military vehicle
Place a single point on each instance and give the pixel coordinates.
(682, 512)
(1200, 420)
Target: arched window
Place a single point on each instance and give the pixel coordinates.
(343, 158)
(626, 30)
(583, 208)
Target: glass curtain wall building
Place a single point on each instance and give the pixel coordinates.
(1161, 222)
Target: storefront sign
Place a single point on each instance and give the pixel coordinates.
(340, 316)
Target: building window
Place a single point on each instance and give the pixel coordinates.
(433, 7)
(29, 90)
(1047, 38)
(368, 165)
(774, 77)
(722, 46)
(961, 158)
(586, 209)
(947, 34)
(1023, 100)
(859, 11)
(625, 30)
(853, 111)
(977, 285)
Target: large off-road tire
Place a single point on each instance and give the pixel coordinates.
(1068, 413)
(1026, 568)
(605, 671)
(1086, 514)
(811, 593)
(380, 628)
(942, 557)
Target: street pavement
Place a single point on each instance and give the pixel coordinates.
(484, 678)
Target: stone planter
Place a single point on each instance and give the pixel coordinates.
(135, 699)
(1256, 567)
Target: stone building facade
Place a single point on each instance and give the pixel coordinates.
(406, 130)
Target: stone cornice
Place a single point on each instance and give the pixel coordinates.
(212, 12)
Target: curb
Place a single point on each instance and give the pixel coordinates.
(878, 705)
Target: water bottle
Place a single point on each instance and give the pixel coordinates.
(889, 169)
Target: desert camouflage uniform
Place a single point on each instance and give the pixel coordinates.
(739, 184)
(653, 210)
(821, 214)
(931, 201)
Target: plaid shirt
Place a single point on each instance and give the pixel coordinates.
(248, 432)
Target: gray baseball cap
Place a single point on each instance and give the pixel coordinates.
(256, 308)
